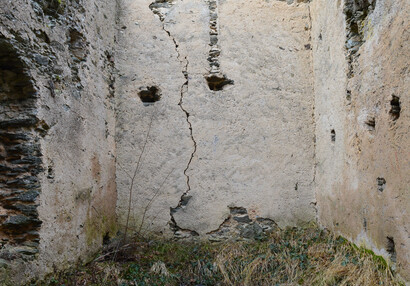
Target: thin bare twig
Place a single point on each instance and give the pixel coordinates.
(148, 206)
(101, 257)
(125, 171)
(137, 167)
(135, 175)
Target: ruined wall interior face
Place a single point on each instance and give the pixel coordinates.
(57, 149)
(20, 155)
(233, 117)
(233, 126)
(362, 150)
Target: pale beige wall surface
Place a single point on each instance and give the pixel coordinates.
(254, 139)
(263, 143)
(147, 57)
(350, 200)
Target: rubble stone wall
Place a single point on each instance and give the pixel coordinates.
(57, 151)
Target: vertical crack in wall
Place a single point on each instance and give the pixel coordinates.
(160, 8)
(313, 204)
(216, 79)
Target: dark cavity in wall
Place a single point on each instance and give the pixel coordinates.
(365, 224)
(333, 135)
(217, 81)
(395, 108)
(349, 95)
(370, 123)
(381, 184)
(20, 153)
(109, 65)
(391, 248)
(149, 95)
(106, 238)
(77, 44)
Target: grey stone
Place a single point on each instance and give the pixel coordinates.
(25, 250)
(42, 60)
(242, 219)
(214, 39)
(16, 220)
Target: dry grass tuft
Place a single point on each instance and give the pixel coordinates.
(302, 257)
(298, 256)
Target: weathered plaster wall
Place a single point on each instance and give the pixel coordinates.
(147, 58)
(227, 118)
(249, 145)
(57, 164)
(361, 89)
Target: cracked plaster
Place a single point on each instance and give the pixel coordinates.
(305, 132)
(222, 159)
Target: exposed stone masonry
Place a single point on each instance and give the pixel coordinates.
(51, 8)
(216, 79)
(57, 123)
(78, 50)
(20, 154)
(242, 225)
(356, 12)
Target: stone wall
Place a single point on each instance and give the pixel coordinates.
(362, 123)
(57, 155)
(21, 157)
(212, 119)
(233, 125)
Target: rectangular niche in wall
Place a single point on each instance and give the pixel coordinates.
(20, 156)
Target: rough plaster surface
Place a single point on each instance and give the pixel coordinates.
(66, 55)
(307, 121)
(255, 139)
(252, 143)
(362, 179)
(147, 57)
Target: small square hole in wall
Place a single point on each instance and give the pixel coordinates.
(348, 95)
(395, 108)
(217, 82)
(149, 95)
(381, 184)
(391, 248)
(370, 123)
(106, 238)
